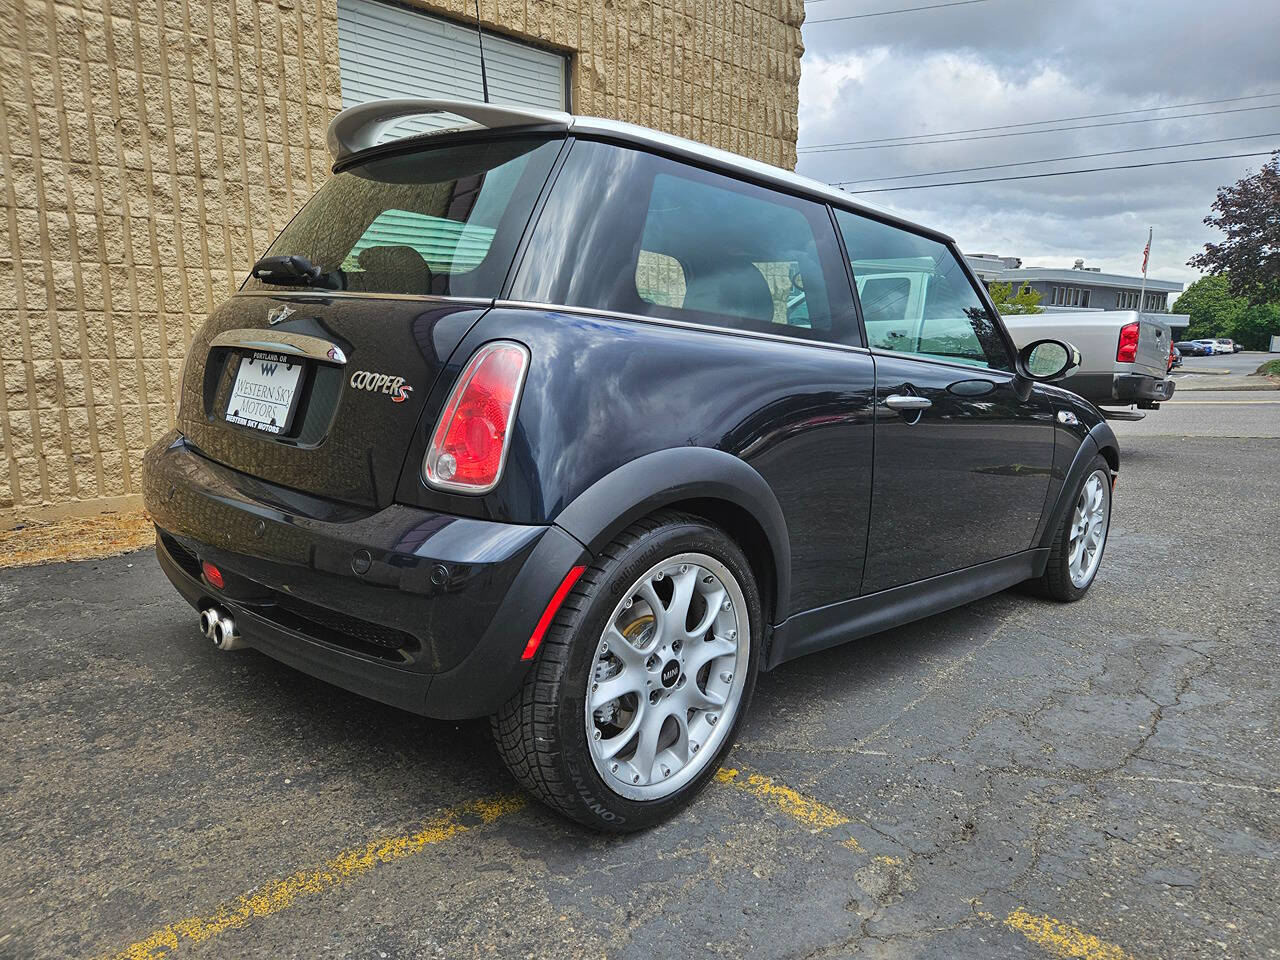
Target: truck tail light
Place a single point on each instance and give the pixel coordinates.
(1127, 351)
(469, 446)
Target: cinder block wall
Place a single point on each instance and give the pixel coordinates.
(151, 149)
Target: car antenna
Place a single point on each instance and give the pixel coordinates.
(484, 78)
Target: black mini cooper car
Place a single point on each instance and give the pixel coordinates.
(580, 426)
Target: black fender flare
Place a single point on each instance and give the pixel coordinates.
(667, 477)
(1099, 438)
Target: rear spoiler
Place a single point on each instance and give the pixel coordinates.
(358, 128)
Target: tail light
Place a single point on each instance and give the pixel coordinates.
(469, 446)
(1127, 351)
(212, 574)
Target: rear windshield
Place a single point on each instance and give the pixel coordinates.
(442, 221)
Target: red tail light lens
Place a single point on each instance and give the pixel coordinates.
(469, 445)
(212, 574)
(1127, 351)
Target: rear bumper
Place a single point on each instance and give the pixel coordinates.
(421, 610)
(1136, 387)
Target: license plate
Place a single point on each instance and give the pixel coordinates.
(265, 393)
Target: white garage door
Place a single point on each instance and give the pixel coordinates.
(390, 51)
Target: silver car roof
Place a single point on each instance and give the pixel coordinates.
(358, 128)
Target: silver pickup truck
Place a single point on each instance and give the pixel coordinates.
(1124, 356)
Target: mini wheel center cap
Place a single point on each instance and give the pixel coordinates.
(670, 673)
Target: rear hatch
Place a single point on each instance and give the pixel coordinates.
(318, 385)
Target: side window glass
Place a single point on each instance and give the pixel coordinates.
(667, 239)
(916, 297)
(717, 250)
(660, 279)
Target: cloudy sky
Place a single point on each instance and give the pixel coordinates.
(1013, 61)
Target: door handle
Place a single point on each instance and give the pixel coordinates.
(899, 401)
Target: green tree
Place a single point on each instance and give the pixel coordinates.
(1007, 302)
(1215, 312)
(1212, 308)
(1249, 214)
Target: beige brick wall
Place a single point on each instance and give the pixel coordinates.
(149, 150)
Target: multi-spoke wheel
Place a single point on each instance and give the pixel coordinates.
(668, 676)
(1077, 549)
(1088, 528)
(640, 682)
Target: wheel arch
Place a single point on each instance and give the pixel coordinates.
(717, 486)
(1111, 455)
(1100, 440)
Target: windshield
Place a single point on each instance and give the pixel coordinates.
(440, 221)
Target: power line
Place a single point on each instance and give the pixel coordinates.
(1036, 123)
(1027, 163)
(1063, 173)
(1025, 133)
(885, 13)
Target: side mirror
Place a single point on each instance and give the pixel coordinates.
(1047, 360)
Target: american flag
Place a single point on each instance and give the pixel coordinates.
(1146, 254)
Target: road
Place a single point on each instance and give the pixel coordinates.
(1209, 413)
(1010, 779)
(1246, 361)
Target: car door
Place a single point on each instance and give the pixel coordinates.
(754, 343)
(962, 454)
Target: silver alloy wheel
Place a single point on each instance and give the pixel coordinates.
(667, 676)
(1088, 529)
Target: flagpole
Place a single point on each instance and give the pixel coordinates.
(1146, 255)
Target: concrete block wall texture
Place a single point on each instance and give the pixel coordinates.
(151, 150)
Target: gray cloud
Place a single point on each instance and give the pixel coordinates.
(1010, 61)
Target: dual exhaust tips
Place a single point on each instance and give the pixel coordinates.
(218, 626)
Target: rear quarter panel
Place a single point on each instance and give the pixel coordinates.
(604, 391)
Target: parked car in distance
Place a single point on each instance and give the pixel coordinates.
(1211, 347)
(1124, 356)
(1222, 345)
(1193, 348)
(1175, 357)
(580, 426)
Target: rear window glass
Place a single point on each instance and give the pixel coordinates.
(442, 221)
(637, 233)
(729, 253)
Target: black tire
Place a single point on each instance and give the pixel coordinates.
(1056, 582)
(541, 734)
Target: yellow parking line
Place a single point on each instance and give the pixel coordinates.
(1061, 939)
(1055, 937)
(281, 894)
(803, 809)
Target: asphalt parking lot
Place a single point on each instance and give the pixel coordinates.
(1010, 779)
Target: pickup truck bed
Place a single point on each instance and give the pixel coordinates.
(1102, 378)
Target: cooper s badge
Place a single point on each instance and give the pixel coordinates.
(394, 387)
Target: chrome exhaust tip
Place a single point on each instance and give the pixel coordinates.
(224, 634)
(208, 621)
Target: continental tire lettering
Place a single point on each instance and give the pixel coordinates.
(594, 805)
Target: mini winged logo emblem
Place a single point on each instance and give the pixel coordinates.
(280, 314)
